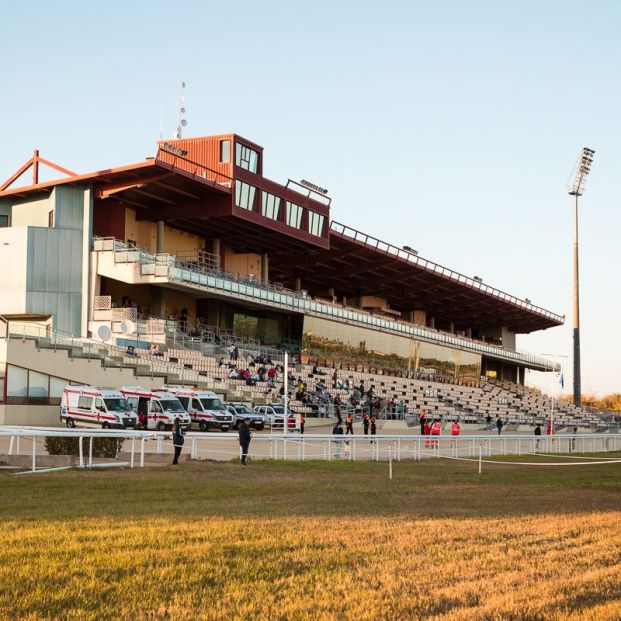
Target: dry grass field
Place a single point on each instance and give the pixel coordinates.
(312, 541)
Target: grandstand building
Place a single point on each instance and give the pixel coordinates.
(196, 243)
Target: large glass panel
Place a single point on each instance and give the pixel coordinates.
(38, 384)
(244, 195)
(16, 381)
(270, 205)
(246, 158)
(315, 223)
(294, 215)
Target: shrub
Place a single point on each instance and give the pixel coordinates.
(102, 447)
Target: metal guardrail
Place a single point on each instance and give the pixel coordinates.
(293, 446)
(166, 266)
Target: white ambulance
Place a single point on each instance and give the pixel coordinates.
(95, 407)
(204, 407)
(155, 409)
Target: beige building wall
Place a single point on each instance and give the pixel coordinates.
(242, 264)
(144, 233)
(33, 213)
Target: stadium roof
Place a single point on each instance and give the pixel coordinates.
(350, 262)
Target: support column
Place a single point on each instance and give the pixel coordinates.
(215, 248)
(297, 284)
(469, 332)
(452, 328)
(265, 268)
(159, 239)
(432, 322)
(411, 316)
(331, 293)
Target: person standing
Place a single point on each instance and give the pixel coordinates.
(422, 419)
(436, 429)
(373, 425)
(499, 424)
(244, 439)
(537, 435)
(178, 440)
(489, 422)
(455, 431)
(349, 425)
(573, 439)
(338, 432)
(365, 424)
(302, 421)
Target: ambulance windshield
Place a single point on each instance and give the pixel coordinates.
(116, 404)
(172, 405)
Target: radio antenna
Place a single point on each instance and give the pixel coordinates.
(181, 122)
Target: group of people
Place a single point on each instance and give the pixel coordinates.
(490, 424)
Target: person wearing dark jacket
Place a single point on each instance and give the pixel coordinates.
(537, 433)
(244, 439)
(338, 432)
(178, 440)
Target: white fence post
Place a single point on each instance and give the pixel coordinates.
(131, 458)
(81, 450)
(142, 443)
(90, 452)
(34, 453)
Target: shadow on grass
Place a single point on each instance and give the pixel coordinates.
(267, 489)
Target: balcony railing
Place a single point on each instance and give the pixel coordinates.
(223, 283)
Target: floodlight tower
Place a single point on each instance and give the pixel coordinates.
(575, 188)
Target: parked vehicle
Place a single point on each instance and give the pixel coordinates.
(240, 411)
(95, 407)
(275, 415)
(156, 409)
(205, 408)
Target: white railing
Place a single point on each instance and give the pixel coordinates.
(144, 445)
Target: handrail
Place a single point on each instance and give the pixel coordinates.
(302, 302)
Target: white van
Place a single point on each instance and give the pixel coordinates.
(204, 407)
(155, 409)
(95, 407)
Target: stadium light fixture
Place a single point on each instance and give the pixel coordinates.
(575, 188)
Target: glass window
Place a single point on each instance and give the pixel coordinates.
(315, 223)
(57, 386)
(17, 381)
(50, 219)
(99, 405)
(225, 151)
(4, 221)
(246, 158)
(244, 195)
(270, 205)
(196, 405)
(84, 403)
(294, 215)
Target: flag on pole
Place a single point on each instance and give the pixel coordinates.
(561, 381)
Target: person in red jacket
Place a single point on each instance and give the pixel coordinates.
(427, 431)
(436, 429)
(455, 431)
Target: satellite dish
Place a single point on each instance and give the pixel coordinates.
(104, 333)
(182, 109)
(128, 326)
(183, 122)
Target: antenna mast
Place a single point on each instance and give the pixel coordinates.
(181, 122)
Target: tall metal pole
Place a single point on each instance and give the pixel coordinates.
(577, 386)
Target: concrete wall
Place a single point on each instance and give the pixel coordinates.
(13, 258)
(33, 212)
(242, 264)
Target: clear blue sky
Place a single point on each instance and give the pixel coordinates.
(451, 126)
